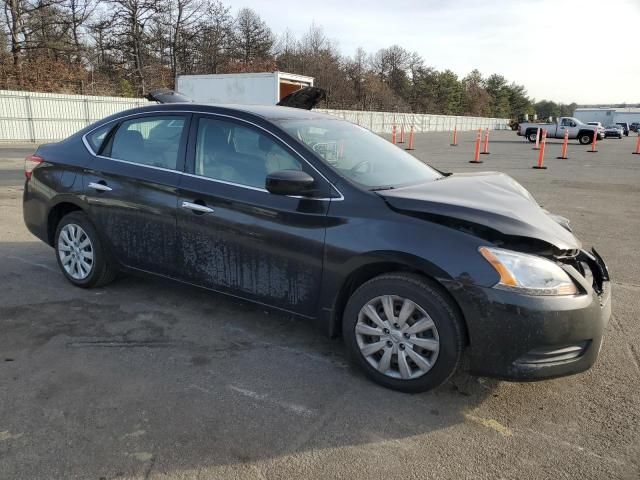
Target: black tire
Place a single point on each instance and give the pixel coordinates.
(428, 296)
(585, 139)
(103, 269)
(532, 136)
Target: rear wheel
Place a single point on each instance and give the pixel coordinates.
(403, 332)
(80, 254)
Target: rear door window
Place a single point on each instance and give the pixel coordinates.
(152, 141)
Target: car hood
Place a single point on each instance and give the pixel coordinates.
(491, 199)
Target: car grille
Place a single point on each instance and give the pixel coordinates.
(591, 266)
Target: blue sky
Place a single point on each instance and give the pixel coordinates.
(564, 50)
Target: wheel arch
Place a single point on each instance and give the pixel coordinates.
(591, 133)
(387, 262)
(529, 131)
(56, 213)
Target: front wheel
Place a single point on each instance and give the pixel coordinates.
(80, 254)
(532, 137)
(585, 139)
(403, 332)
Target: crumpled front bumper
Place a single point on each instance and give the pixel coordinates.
(520, 337)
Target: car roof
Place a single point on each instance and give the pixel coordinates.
(269, 112)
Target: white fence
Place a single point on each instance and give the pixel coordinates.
(37, 117)
(383, 122)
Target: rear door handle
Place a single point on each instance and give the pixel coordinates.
(196, 207)
(100, 187)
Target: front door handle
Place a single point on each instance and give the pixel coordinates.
(100, 187)
(196, 207)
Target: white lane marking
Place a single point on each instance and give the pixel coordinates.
(7, 435)
(200, 389)
(140, 456)
(573, 446)
(263, 397)
(35, 264)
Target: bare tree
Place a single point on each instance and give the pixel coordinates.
(15, 12)
(213, 37)
(78, 14)
(182, 17)
(130, 21)
(127, 46)
(356, 71)
(252, 38)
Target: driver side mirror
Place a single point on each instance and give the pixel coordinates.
(289, 182)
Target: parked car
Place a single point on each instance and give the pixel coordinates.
(625, 128)
(583, 132)
(634, 126)
(319, 218)
(600, 128)
(613, 131)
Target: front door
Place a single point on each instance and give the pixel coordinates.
(570, 126)
(233, 235)
(131, 186)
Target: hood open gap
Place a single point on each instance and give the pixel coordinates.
(512, 242)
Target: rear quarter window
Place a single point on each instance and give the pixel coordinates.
(97, 137)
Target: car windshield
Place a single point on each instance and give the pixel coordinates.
(360, 155)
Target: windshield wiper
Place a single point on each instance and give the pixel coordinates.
(377, 189)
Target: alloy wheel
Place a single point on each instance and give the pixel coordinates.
(75, 251)
(397, 337)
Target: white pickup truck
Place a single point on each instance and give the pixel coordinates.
(583, 132)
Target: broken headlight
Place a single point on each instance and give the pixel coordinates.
(528, 274)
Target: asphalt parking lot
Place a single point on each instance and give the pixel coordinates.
(149, 379)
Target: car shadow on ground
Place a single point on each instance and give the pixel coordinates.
(147, 369)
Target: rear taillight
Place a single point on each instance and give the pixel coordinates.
(31, 162)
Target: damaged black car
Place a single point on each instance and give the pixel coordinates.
(421, 272)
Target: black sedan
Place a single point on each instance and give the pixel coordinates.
(417, 269)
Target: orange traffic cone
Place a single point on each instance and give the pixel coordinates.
(486, 142)
(410, 147)
(476, 156)
(565, 145)
(540, 164)
(594, 142)
(393, 135)
(455, 136)
(537, 147)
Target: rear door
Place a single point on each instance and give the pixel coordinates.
(131, 185)
(233, 235)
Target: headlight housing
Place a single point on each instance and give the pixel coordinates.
(528, 274)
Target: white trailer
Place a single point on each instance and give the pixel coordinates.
(241, 88)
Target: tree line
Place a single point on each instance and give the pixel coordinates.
(128, 47)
